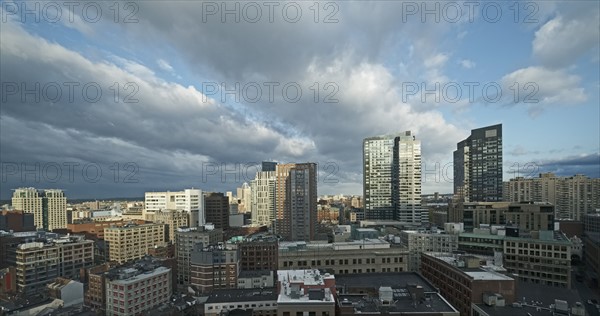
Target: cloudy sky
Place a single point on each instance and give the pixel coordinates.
(108, 99)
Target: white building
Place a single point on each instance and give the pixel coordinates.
(262, 201)
(190, 200)
(244, 195)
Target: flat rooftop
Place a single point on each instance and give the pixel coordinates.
(377, 280)
(367, 243)
(533, 296)
(361, 292)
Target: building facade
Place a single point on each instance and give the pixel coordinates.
(216, 207)
(131, 242)
(463, 282)
(134, 290)
(262, 202)
(39, 263)
(174, 219)
(418, 242)
(214, 267)
(364, 256)
(185, 241)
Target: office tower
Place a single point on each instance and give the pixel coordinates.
(478, 166)
(296, 201)
(186, 239)
(49, 207)
(190, 200)
(262, 202)
(133, 290)
(174, 219)
(392, 178)
(418, 242)
(573, 196)
(216, 207)
(131, 242)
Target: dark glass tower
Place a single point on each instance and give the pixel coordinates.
(478, 166)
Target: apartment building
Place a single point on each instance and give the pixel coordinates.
(137, 288)
(49, 207)
(188, 200)
(305, 291)
(39, 263)
(214, 267)
(131, 242)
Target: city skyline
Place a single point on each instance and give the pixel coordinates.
(166, 116)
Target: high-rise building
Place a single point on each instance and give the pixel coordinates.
(478, 166)
(573, 196)
(262, 202)
(216, 207)
(131, 242)
(190, 200)
(49, 207)
(296, 201)
(392, 178)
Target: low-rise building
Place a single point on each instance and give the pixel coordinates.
(401, 293)
(136, 288)
(261, 302)
(67, 290)
(359, 256)
(462, 280)
(41, 262)
(255, 279)
(305, 291)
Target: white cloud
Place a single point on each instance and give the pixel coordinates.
(436, 61)
(468, 64)
(164, 65)
(562, 40)
(538, 86)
